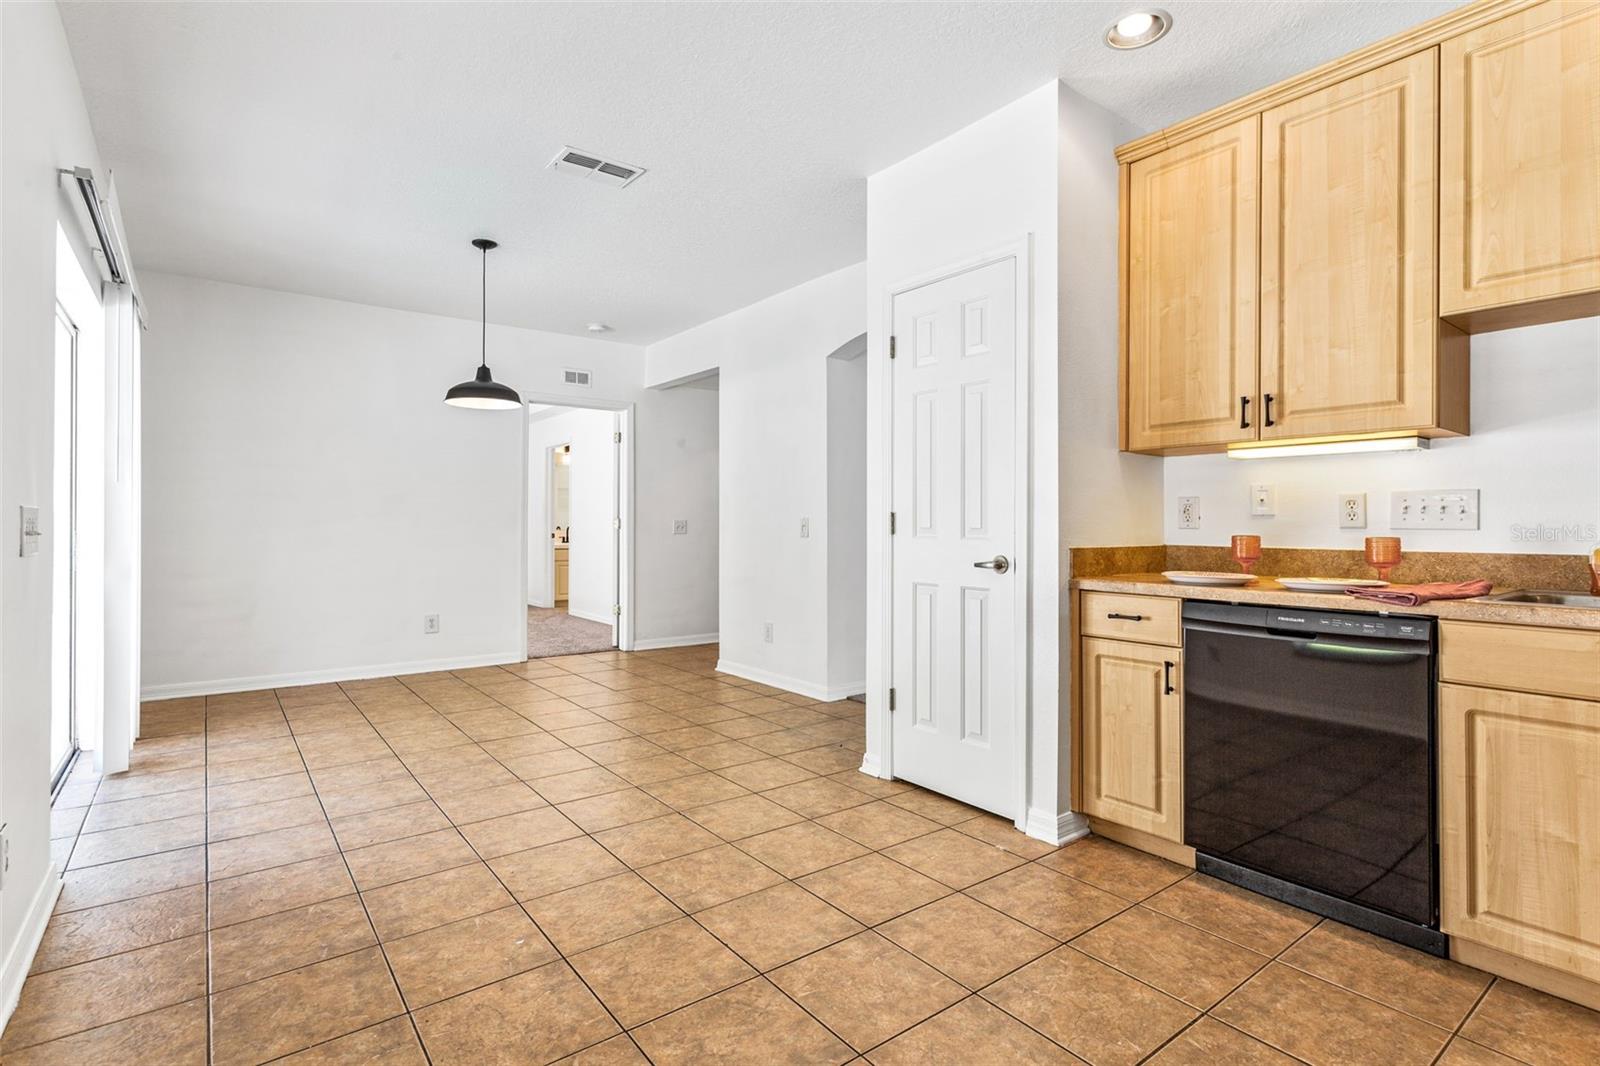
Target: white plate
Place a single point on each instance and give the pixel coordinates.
(1205, 577)
(1330, 584)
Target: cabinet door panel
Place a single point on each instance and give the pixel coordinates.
(1191, 291)
(1132, 737)
(1519, 824)
(1519, 209)
(1347, 256)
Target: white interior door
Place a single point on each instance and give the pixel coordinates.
(955, 588)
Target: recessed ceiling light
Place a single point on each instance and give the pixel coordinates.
(1137, 29)
(599, 327)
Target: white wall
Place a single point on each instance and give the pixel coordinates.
(592, 474)
(847, 519)
(1038, 169)
(43, 127)
(771, 360)
(1534, 454)
(309, 496)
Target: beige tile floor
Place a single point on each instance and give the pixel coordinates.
(612, 858)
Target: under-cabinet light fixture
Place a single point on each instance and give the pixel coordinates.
(1410, 443)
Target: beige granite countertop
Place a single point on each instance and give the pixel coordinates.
(1267, 591)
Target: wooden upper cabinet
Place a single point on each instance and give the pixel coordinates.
(1519, 209)
(1349, 335)
(1191, 292)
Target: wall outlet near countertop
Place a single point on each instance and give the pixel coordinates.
(1188, 512)
(1353, 510)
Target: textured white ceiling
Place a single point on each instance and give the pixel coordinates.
(351, 150)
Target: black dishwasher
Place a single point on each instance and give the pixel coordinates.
(1309, 761)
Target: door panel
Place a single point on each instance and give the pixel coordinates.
(954, 489)
(1519, 840)
(1192, 283)
(1132, 737)
(1347, 256)
(1519, 211)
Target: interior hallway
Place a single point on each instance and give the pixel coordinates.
(511, 865)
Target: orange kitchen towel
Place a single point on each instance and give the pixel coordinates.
(1411, 595)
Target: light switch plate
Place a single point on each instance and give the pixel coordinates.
(1436, 509)
(31, 537)
(680, 526)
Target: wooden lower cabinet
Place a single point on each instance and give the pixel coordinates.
(1519, 823)
(1132, 735)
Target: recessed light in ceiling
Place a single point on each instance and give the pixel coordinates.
(1137, 29)
(599, 327)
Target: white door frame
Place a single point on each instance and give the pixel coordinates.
(1021, 251)
(624, 568)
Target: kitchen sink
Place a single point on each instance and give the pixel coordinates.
(1546, 597)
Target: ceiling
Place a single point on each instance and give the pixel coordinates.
(351, 150)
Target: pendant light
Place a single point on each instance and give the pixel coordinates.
(483, 392)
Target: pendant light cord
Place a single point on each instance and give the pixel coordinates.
(484, 335)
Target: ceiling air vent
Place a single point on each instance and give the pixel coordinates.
(588, 165)
(575, 377)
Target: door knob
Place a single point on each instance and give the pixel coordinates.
(999, 564)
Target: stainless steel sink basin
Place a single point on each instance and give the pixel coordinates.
(1547, 597)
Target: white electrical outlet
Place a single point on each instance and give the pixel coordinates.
(766, 632)
(430, 623)
(805, 528)
(1353, 510)
(680, 526)
(1188, 512)
(1439, 509)
(1263, 500)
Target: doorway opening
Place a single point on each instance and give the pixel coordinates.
(575, 529)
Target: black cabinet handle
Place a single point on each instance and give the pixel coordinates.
(1166, 678)
(1244, 409)
(1266, 409)
(1126, 617)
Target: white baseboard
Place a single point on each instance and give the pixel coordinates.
(792, 684)
(20, 959)
(1056, 829)
(317, 677)
(655, 643)
(871, 766)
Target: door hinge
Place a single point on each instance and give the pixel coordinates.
(617, 437)
(616, 609)
(891, 523)
(616, 523)
(891, 346)
(891, 701)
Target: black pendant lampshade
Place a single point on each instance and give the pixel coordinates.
(483, 392)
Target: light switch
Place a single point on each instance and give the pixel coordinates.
(1438, 509)
(31, 534)
(805, 528)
